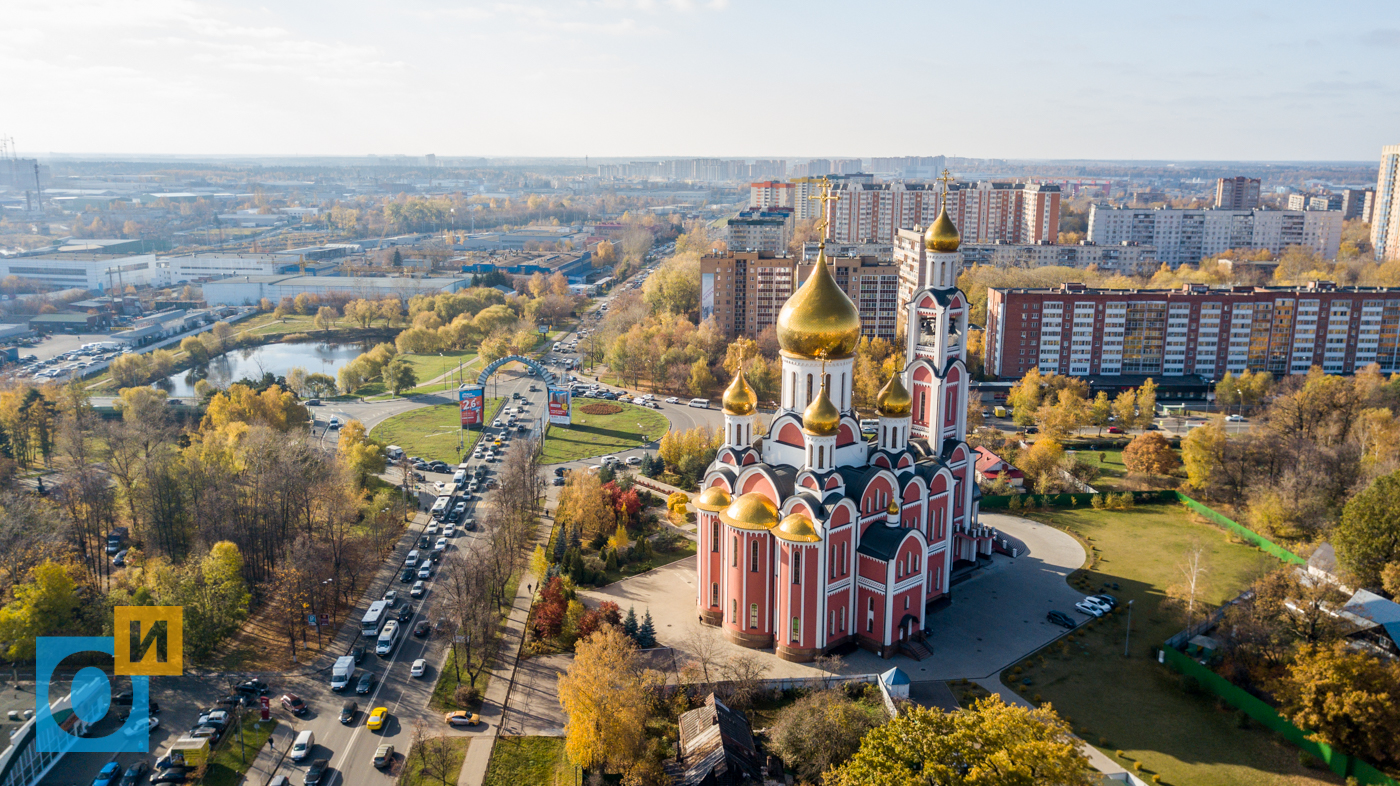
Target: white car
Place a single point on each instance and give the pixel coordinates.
(426, 571)
(152, 723)
(419, 668)
(449, 531)
(673, 400)
(1235, 418)
(431, 529)
(1091, 609)
(634, 460)
(1095, 601)
(441, 545)
(418, 589)
(496, 424)
(608, 460)
(441, 488)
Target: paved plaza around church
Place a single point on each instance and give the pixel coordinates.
(996, 617)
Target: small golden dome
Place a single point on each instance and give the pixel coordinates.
(739, 398)
(751, 511)
(894, 400)
(797, 528)
(821, 418)
(893, 508)
(942, 236)
(712, 499)
(819, 319)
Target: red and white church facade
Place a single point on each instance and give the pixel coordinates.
(812, 537)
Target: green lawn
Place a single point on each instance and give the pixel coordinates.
(1135, 704)
(595, 435)
(538, 761)
(413, 774)
(683, 548)
(228, 764)
(432, 432)
(427, 367)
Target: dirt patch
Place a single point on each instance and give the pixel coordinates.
(600, 409)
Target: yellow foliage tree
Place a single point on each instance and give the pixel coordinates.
(607, 699)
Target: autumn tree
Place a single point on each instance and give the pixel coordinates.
(1125, 410)
(819, 731)
(990, 743)
(1367, 539)
(1041, 462)
(1150, 454)
(362, 455)
(1346, 698)
(43, 606)
(1062, 415)
(325, 318)
(607, 699)
(399, 376)
(1100, 409)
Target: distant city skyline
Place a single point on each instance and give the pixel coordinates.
(647, 78)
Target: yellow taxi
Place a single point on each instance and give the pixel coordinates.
(377, 718)
(461, 718)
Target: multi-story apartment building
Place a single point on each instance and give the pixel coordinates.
(1192, 331)
(909, 167)
(1187, 236)
(984, 212)
(1125, 258)
(761, 230)
(1385, 210)
(1315, 202)
(1237, 193)
(770, 193)
(1355, 202)
(883, 252)
(745, 290)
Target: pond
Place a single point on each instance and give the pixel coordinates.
(315, 357)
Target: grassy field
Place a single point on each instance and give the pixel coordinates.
(413, 774)
(595, 435)
(228, 764)
(426, 367)
(683, 548)
(432, 432)
(1134, 704)
(538, 761)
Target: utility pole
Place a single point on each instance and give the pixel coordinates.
(1128, 634)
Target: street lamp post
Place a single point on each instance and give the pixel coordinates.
(1128, 634)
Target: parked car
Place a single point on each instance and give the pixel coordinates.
(1105, 599)
(348, 711)
(634, 460)
(1089, 608)
(559, 481)
(1060, 618)
(108, 774)
(1104, 606)
(134, 773)
(1114, 430)
(171, 775)
(253, 688)
(1235, 418)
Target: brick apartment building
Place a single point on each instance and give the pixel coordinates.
(1192, 331)
(745, 290)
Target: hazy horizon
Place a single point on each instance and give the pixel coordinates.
(1288, 82)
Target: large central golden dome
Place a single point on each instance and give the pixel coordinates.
(819, 319)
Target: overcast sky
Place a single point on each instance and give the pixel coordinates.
(1177, 80)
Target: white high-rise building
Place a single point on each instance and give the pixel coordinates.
(1188, 236)
(1385, 215)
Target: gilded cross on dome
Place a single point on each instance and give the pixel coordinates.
(824, 197)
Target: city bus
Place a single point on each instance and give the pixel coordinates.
(374, 618)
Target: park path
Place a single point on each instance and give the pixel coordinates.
(269, 757)
(496, 701)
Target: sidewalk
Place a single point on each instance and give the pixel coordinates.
(495, 703)
(269, 759)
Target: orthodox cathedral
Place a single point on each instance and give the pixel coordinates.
(813, 537)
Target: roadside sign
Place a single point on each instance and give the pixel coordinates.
(325, 620)
(460, 639)
(311, 620)
(264, 702)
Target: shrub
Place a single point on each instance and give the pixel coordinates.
(601, 408)
(1308, 760)
(292, 338)
(465, 696)
(1137, 765)
(1156, 778)
(1242, 720)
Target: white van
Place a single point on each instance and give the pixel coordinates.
(301, 748)
(700, 403)
(394, 452)
(387, 637)
(459, 477)
(412, 561)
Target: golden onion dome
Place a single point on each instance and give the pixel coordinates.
(797, 528)
(751, 511)
(819, 320)
(739, 398)
(712, 499)
(821, 418)
(942, 235)
(893, 508)
(894, 400)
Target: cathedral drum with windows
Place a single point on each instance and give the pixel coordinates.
(813, 537)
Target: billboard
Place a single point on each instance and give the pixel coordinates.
(559, 407)
(707, 296)
(473, 400)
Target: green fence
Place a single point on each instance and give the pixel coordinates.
(1264, 715)
(1264, 544)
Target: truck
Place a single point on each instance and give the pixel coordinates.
(374, 619)
(999, 412)
(115, 538)
(342, 671)
(394, 452)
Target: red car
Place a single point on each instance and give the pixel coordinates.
(294, 703)
(1114, 430)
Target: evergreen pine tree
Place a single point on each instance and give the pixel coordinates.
(629, 625)
(645, 466)
(560, 546)
(612, 559)
(576, 536)
(646, 634)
